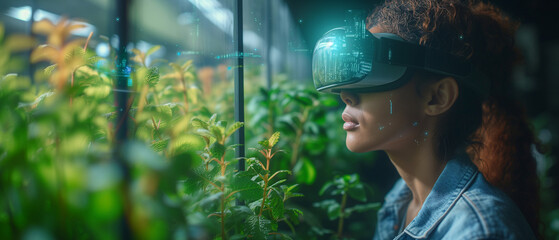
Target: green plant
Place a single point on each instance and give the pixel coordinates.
(344, 186)
(274, 193)
(311, 123)
(213, 187)
(58, 172)
(57, 168)
(298, 112)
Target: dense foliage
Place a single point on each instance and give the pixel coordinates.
(59, 176)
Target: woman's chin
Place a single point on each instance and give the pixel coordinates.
(356, 146)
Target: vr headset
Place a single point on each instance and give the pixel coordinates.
(353, 59)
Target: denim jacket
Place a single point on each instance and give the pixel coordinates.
(461, 205)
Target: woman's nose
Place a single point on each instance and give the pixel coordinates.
(349, 98)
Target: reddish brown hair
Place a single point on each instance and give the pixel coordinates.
(493, 129)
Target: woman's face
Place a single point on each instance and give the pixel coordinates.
(388, 120)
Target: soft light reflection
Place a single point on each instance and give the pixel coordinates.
(102, 49)
(216, 13)
(24, 14)
(21, 13)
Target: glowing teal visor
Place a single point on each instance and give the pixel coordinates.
(373, 62)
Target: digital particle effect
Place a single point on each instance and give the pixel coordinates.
(237, 54)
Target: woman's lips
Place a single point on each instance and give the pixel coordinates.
(350, 123)
(350, 126)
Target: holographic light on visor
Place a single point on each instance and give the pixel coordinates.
(354, 59)
(337, 60)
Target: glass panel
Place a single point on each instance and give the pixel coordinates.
(64, 171)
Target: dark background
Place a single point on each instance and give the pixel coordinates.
(535, 81)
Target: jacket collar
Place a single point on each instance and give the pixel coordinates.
(458, 174)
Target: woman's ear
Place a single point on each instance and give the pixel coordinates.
(441, 96)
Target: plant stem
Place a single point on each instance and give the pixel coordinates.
(264, 194)
(266, 180)
(142, 100)
(268, 157)
(342, 216)
(223, 233)
(128, 106)
(155, 127)
(223, 168)
(298, 136)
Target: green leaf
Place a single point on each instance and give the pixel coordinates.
(204, 133)
(217, 132)
(325, 187)
(275, 202)
(211, 200)
(329, 102)
(164, 111)
(237, 216)
(254, 167)
(363, 208)
(233, 146)
(217, 150)
(255, 206)
(198, 179)
(273, 139)
(176, 67)
(234, 128)
(249, 190)
(294, 214)
(49, 69)
(152, 50)
(199, 123)
(212, 119)
(160, 145)
(278, 182)
(283, 171)
(258, 227)
(304, 171)
(288, 191)
(333, 211)
(264, 143)
(152, 76)
(332, 207)
(357, 192)
(303, 100)
(37, 100)
(311, 127)
(222, 124)
(187, 65)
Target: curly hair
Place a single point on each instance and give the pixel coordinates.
(494, 130)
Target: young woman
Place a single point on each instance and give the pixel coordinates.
(464, 153)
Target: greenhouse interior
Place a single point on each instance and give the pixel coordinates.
(201, 119)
